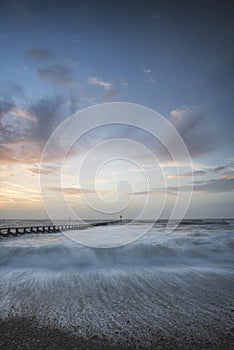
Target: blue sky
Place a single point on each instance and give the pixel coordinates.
(58, 57)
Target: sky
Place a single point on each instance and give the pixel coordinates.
(59, 57)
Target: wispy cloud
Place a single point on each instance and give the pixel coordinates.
(111, 89)
(12, 194)
(78, 191)
(209, 186)
(22, 112)
(155, 192)
(224, 170)
(214, 185)
(118, 87)
(148, 75)
(94, 81)
(10, 109)
(179, 113)
(45, 170)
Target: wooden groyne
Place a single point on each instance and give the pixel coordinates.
(15, 231)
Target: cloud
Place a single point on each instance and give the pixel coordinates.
(189, 174)
(119, 84)
(71, 191)
(179, 113)
(45, 170)
(14, 131)
(5, 107)
(117, 88)
(19, 152)
(109, 132)
(9, 108)
(197, 173)
(225, 170)
(25, 129)
(154, 191)
(48, 113)
(148, 75)
(209, 186)
(199, 131)
(214, 185)
(109, 95)
(94, 81)
(228, 176)
(21, 112)
(77, 191)
(39, 54)
(112, 89)
(220, 168)
(58, 75)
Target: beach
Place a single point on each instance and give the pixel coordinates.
(171, 291)
(25, 334)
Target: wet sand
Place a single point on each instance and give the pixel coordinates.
(22, 333)
(74, 313)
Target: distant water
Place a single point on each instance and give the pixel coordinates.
(182, 280)
(27, 223)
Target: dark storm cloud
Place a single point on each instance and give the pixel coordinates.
(39, 54)
(58, 75)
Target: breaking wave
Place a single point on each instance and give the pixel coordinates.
(195, 248)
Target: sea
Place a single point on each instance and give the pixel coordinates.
(180, 284)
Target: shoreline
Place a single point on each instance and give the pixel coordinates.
(166, 292)
(17, 333)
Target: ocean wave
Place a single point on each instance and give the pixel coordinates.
(173, 251)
